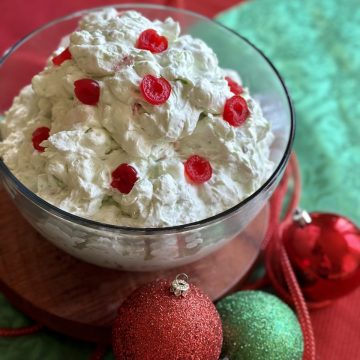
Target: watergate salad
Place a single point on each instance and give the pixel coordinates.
(134, 124)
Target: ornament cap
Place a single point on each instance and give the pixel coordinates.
(180, 286)
(302, 217)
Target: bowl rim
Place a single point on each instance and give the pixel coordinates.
(44, 205)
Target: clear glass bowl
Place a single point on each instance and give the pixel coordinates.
(147, 249)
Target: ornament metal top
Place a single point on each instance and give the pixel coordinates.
(180, 285)
(302, 217)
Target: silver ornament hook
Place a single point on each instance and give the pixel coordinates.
(180, 285)
(302, 217)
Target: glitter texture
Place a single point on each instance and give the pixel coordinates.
(154, 324)
(259, 326)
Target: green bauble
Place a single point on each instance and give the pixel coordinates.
(259, 326)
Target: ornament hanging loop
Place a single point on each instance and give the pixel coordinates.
(302, 217)
(180, 285)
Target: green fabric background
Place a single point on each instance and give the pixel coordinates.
(316, 47)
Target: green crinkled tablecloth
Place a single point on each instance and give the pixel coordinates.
(316, 47)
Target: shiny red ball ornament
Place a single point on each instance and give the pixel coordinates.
(325, 255)
(160, 322)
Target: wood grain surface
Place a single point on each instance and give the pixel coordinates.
(79, 299)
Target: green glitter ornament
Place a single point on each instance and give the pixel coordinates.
(259, 326)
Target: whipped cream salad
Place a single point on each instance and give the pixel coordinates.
(134, 124)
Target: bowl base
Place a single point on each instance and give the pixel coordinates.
(79, 299)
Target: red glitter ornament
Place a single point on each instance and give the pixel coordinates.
(152, 41)
(198, 169)
(38, 136)
(87, 91)
(155, 90)
(123, 178)
(59, 59)
(325, 254)
(157, 323)
(235, 88)
(236, 111)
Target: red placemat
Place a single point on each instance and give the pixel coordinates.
(19, 17)
(337, 329)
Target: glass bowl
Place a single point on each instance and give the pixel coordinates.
(148, 249)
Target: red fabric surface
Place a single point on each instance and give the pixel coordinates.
(337, 327)
(19, 17)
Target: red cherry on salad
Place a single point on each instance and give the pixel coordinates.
(38, 136)
(152, 41)
(87, 91)
(59, 59)
(198, 169)
(236, 111)
(124, 178)
(155, 90)
(235, 88)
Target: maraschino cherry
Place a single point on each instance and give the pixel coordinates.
(235, 88)
(236, 111)
(87, 91)
(63, 56)
(155, 90)
(152, 41)
(198, 169)
(38, 136)
(123, 178)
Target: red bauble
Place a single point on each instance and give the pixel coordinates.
(325, 255)
(155, 324)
